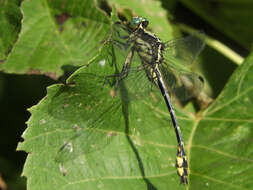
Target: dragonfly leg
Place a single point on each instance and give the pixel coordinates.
(124, 72)
(119, 44)
(122, 37)
(108, 77)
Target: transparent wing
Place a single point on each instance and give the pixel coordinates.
(139, 84)
(183, 84)
(184, 51)
(119, 35)
(179, 54)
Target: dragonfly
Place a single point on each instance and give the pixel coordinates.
(159, 69)
(163, 64)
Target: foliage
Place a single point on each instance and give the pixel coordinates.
(80, 136)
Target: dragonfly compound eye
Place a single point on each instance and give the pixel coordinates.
(136, 21)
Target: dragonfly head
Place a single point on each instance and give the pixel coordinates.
(137, 22)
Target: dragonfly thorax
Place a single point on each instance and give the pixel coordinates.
(148, 46)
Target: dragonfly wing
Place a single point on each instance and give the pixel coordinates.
(119, 35)
(183, 84)
(137, 84)
(184, 51)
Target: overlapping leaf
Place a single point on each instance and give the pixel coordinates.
(56, 34)
(10, 17)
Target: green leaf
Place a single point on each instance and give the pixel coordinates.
(224, 14)
(10, 18)
(221, 141)
(56, 34)
(82, 136)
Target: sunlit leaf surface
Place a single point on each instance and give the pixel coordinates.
(10, 17)
(56, 34)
